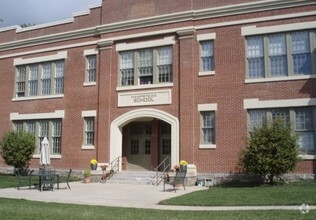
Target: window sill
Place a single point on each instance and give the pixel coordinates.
(307, 157)
(207, 73)
(148, 86)
(37, 97)
(276, 79)
(37, 156)
(207, 146)
(89, 83)
(87, 147)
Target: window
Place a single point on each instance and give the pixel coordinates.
(207, 56)
(302, 120)
(91, 68)
(134, 147)
(208, 127)
(300, 53)
(89, 131)
(146, 66)
(50, 128)
(40, 79)
(280, 55)
(255, 57)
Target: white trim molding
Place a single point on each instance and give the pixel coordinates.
(14, 116)
(207, 107)
(254, 30)
(278, 79)
(203, 108)
(116, 131)
(59, 56)
(91, 113)
(203, 37)
(258, 104)
(90, 52)
(146, 44)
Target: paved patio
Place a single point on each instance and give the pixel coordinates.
(121, 195)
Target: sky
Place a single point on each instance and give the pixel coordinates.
(17, 12)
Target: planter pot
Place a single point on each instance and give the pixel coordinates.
(87, 179)
(94, 166)
(183, 168)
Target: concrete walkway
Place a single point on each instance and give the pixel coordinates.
(122, 195)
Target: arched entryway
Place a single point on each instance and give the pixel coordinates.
(116, 133)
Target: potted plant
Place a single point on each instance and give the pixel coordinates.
(86, 176)
(183, 165)
(94, 164)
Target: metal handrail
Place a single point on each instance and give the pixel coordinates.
(165, 165)
(115, 166)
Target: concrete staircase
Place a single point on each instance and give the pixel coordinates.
(132, 177)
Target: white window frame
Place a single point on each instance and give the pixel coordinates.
(85, 115)
(87, 53)
(201, 38)
(40, 61)
(252, 104)
(207, 108)
(286, 29)
(168, 41)
(37, 117)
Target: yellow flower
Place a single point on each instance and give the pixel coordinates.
(93, 161)
(183, 163)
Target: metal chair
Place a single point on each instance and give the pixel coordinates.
(179, 178)
(24, 177)
(61, 179)
(47, 180)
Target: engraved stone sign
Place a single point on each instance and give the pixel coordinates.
(157, 97)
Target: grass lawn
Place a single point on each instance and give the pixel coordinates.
(286, 194)
(9, 180)
(14, 209)
(292, 194)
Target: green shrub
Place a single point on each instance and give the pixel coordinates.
(17, 148)
(271, 151)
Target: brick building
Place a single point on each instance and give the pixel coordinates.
(148, 79)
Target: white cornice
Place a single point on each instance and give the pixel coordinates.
(167, 19)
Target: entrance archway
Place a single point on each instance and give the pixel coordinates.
(116, 135)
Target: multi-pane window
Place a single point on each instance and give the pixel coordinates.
(304, 127)
(20, 81)
(134, 147)
(147, 147)
(56, 137)
(46, 78)
(40, 79)
(127, 68)
(91, 68)
(89, 131)
(207, 56)
(33, 80)
(280, 55)
(50, 128)
(59, 78)
(255, 57)
(166, 146)
(164, 64)
(277, 55)
(301, 119)
(301, 53)
(147, 66)
(208, 127)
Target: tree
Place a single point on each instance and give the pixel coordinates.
(271, 151)
(17, 148)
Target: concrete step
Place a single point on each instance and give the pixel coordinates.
(132, 177)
